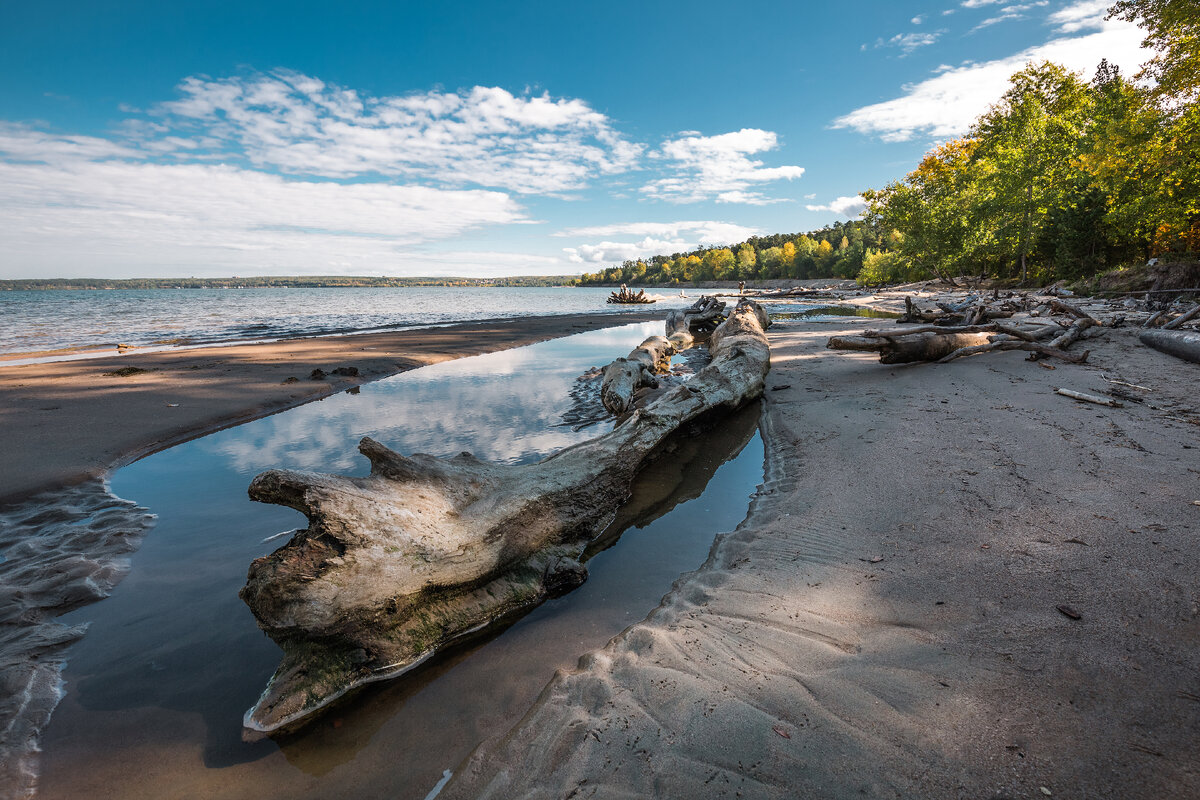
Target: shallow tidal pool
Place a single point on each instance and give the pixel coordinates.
(156, 690)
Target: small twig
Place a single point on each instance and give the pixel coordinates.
(1130, 385)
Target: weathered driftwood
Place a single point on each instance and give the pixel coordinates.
(623, 377)
(394, 566)
(704, 314)
(626, 375)
(626, 297)
(1181, 344)
(1089, 398)
(1186, 316)
(1010, 344)
(943, 344)
(905, 349)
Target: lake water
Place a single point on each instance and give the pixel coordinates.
(157, 688)
(73, 320)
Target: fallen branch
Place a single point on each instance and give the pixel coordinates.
(1040, 349)
(1089, 398)
(424, 551)
(1187, 316)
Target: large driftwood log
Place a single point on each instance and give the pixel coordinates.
(902, 349)
(623, 377)
(424, 551)
(1181, 344)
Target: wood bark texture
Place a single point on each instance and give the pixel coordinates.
(1181, 344)
(425, 551)
(623, 377)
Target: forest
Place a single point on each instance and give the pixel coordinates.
(1063, 178)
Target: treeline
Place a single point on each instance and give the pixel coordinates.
(298, 282)
(1062, 178)
(837, 251)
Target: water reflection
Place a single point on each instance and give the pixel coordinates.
(505, 409)
(157, 689)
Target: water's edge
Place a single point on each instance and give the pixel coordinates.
(60, 551)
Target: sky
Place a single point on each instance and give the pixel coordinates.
(483, 139)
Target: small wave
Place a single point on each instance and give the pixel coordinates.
(61, 550)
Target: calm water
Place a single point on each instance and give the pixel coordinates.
(37, 321)
(157, 688)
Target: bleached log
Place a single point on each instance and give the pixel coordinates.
(906, 349)
(1033, 347)
(1089, 398)
(424, 551)
(623, 377)
(1181, 344)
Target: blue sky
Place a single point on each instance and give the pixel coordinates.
(396, 138)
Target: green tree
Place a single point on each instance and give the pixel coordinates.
(747, 262)
(1173, 32)
(1028, 140)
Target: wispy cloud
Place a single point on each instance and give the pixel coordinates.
(851, 206)
(1086, 15)
(945, 105)
(908, 42)
(300, 125)
(657, 237)
(980, 3)
(717, 168)
(1010, 13)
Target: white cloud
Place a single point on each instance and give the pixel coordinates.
(657, 238)
(851, 207)
(1007, 13)
(946, 105)
(917, 20)
(484, 136)
(909, 42)
(979, 3)
(1085, 15)
(717, 168)
(75, 215)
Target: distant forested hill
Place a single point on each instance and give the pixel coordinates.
(837, 251)
(279, 282)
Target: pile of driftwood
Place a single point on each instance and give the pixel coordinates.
(969, 328)
(627, 297)
(425, 550)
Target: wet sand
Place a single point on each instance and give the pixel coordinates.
(954, 583)
(65, 421)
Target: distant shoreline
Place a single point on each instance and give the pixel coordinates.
(280, 282)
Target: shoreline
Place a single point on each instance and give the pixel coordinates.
(888, 620)
(70, 420)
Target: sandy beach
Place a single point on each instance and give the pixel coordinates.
(887, 622)
(953, 583)
(65, 421)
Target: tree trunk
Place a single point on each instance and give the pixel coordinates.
(394, 566)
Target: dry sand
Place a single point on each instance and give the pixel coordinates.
(64, 421)
(886, 621)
